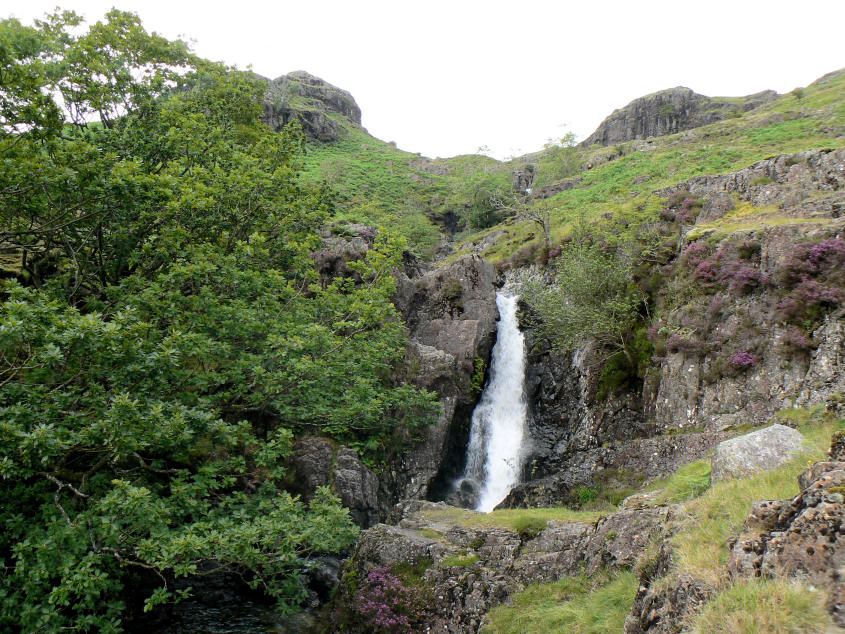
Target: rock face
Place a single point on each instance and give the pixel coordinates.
(808, 188)
(668, 112)
(800, 538)
(317, 462)
(762, 450)
(451, 316)
(469, 569)
(314, 103)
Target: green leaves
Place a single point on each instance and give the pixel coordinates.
(169, 334)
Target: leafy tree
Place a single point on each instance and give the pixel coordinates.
(592, 298)
(561, 159)
(168, 335)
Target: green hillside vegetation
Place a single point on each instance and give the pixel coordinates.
(164, 334)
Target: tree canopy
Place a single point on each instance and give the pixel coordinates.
(163, 335)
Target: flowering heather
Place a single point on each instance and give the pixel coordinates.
(389, 605)
(744, 359)
(796, 340)
(730, 267)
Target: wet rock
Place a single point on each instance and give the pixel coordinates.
(451, 316)
(758, 451)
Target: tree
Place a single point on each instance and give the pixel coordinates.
(168, 336)
(562, 159)
(592, 298)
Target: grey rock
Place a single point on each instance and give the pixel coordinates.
(451, 317)
(715, 207)
(762, 450)
(799, 538)
(667, 112)
(301, 97)
(498, 561)
(317, 461)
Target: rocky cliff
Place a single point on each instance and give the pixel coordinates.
(728, 359)
(668, 112)
(451, 315)
(320, 108)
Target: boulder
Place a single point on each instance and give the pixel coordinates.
(762, 450)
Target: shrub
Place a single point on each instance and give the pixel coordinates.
(389, 604)
(744, 359)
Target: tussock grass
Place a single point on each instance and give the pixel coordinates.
(718, 514)
(686, 483)
(596, 604)
(758, 606)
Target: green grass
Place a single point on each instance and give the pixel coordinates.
(686, 483)
(460, 561)
(582, 604)
(514, 519)
(774, 607)
(783, 126)
(719, 513)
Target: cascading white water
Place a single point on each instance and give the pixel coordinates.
(498, 421)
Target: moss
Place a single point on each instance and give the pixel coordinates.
(430, 533)
(459, 561)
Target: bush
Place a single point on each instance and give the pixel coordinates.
(387, 603)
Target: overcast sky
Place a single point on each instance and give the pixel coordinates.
(446, 77)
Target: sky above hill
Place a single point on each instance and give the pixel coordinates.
(447, 77)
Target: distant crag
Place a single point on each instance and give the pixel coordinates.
(670, 111)
(320, 108)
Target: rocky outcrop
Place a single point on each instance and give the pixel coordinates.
(316, 462)
(762, 450)
(451, 316)
(468, 569)
(320, 108)
(800, 538)
(808, 189)
(668, 112)
(614, 465)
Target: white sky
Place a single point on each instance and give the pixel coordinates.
(446, 77)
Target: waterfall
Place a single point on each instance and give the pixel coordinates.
(498, 421)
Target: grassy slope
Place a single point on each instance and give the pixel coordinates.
(715, 515)
(787, 124)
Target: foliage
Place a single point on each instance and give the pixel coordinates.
(591, 299)
(561, 160)
(387, 603)
(169, 334)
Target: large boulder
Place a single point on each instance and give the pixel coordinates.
(762, 450)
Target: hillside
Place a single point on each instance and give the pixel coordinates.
(260, 370)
